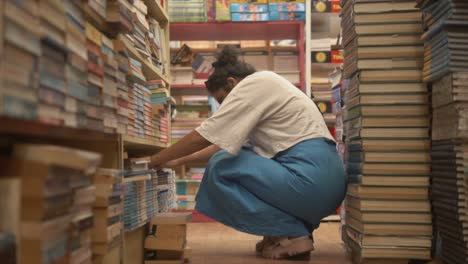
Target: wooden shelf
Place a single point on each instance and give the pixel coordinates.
(18, 127)
(156, 11)
(272, 30)
(136, 143)
(149, 70)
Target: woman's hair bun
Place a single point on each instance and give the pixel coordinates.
(229, 55)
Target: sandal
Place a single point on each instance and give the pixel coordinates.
(264, 243)
(285, 248)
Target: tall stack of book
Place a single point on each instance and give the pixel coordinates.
(187, 11)
(95, 78)
(446, 67)
(388, 213)
(123, 99)
(20, 57)
(109, 92)
(52, 82)
(108, 211)
(54, 179)
(76, 68)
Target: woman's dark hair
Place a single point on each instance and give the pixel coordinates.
(227, 65)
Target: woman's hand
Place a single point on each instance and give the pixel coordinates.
(173, 164)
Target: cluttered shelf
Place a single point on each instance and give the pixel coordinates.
(156, 10)
(272, 30)
(149, 70)
(13, 126)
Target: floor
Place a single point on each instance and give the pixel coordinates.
(215, 243)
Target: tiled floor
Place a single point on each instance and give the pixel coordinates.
(213, 243)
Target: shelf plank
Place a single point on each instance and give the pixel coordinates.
(201, 86)
(156, 11)
(272, 48)
(149, 70)
(136, 143)
(18, 127)
(272, 30)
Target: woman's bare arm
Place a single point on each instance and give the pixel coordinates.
(201, 156)
(189, 144)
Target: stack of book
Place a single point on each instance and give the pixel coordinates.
(258, 59)
(167, 242)
(137, 194)
(52, 81)
(166, 190)
(98, 6)
(446, 68)
(136, 95)
(287, 10)
(123, 99)
(138, 36)
(187, 189)
(76, 68)
(108, 211)
(80, 242)
(54, 180)
(242, 10)
(150, 125)
(337, 108)
(191, 112)
(157, 40)
(95, 78)
(446, 37)
(110, 91)
(286, 64)
(322, 96)
(187, 11)
(160, 99)
(119, 15)
(20, 57)
(388, 213)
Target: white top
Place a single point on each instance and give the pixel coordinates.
(267, 111)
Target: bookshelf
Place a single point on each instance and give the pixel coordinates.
(238, 31)
(112, 146)
(157, 11)
(149, 70)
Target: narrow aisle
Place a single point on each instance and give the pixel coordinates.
(213, 243)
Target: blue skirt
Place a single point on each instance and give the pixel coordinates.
(287, 195)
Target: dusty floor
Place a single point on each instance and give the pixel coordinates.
(214, 243)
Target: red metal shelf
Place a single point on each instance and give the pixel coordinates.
(273, 30)
(202, 86)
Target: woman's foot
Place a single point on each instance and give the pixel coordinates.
(264, 243)
(288, 247)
